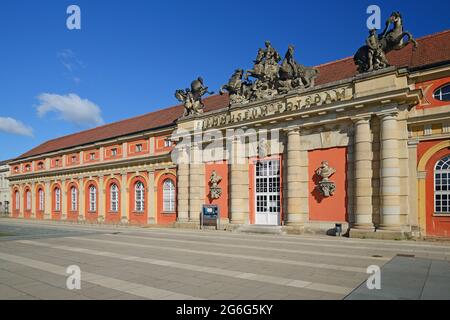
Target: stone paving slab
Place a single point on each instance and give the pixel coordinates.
(406, 278)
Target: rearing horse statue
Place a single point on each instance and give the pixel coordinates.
(388, 40)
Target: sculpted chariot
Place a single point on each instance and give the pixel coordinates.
(271, 78)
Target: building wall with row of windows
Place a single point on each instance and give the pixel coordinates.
(385, 136)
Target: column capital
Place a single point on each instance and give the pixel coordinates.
(391, 113)
(292, 130)
(361, 119)
(413, 143)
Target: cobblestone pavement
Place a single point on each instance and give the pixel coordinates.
(159, 263)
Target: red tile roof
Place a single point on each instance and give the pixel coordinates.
(432, 49)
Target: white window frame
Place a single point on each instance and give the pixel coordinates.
(114, 152)
(73, 199)
(28, 200)
(92, 198)
(41, 199)
(442, 181)
(92, 156)
(17, 199)
(139, 147)
(168, 195)
(139, 197)
(438, 93)
(57, 199)
(114, 197)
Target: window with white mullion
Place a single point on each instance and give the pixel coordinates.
(92, 199)
(74, 199)
(139, 197)
(442, 186)
(41, 200)
(114, 198)
(57, 199)
(168, 196)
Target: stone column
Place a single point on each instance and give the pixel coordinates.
(101, 197)
(47, 202)
(33, 200)
(297, 179)
(82, 203)
(239, 186)
(390, 173)
(123, 199)
(196, 185)
(183, 192)
(363, 175)
(63, 200)
(413, 185)
(151, 200)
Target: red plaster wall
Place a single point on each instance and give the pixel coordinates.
(334, 208)
(39, 213)
(56, 215)
(91, 216)
(435, 226)
(138, 217)
(428, 89)
(222, 202)
(27, 211)
(110, 216)
(165, 217)
(72, 215)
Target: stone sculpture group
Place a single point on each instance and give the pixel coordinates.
(272, 78)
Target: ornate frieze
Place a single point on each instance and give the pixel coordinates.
(278, 107)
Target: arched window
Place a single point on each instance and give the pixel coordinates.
(74, 199)
(28, 200)
(17, 198)
(139, 195)
(114, 195)
(92, 199)
(442, 186)
(41, 199)
(57, 199)
(443, 93)
(168, 196)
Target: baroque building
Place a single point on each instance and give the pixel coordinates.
(361, 142)
(5, 195)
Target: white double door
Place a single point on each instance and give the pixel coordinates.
(267, 192)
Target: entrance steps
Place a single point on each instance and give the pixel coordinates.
(260, 229)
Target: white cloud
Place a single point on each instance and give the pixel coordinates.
(13, 126)
(70, 108)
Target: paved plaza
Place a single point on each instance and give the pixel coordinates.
(175, 264)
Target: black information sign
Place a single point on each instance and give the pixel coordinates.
(210, 216)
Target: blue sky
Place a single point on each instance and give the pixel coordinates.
(130, 56)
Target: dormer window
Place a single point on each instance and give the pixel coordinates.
(139, 148)
(443, 93)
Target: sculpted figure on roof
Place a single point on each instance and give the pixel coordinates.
(372, 56)
(192, 98)
(271, 78)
